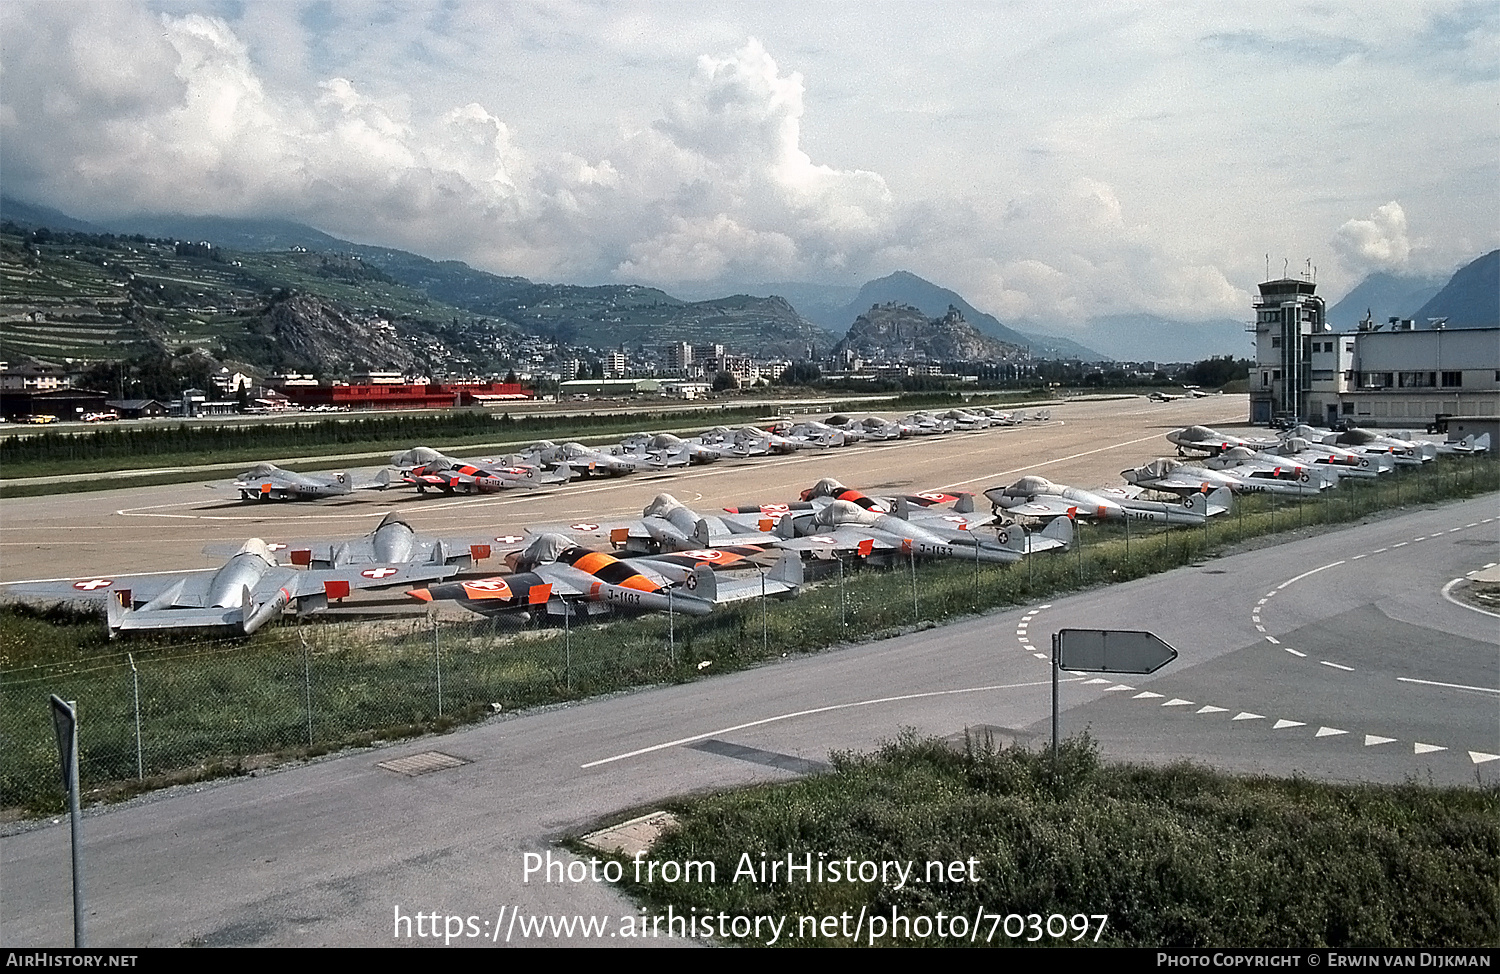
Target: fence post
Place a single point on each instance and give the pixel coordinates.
(437, 662)
(307, 686)
(135, 685)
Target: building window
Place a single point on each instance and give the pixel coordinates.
(1348, 409)
(1452, 380)
(1275, 342)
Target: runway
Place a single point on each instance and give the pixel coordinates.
(1086, 443)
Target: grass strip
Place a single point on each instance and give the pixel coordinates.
(1010, 850)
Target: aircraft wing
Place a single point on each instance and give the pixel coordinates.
(1045, 506)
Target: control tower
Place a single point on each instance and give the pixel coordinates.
(1287, 315)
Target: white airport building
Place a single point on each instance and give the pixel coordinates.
(1392, 374)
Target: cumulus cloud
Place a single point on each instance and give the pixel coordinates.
(1377, 244)
(117, 109)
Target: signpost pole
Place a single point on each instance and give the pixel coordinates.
(65, 724)
(1056, 641)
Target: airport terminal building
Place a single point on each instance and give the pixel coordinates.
(1392, 374)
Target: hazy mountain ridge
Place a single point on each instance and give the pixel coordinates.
(1470, 299)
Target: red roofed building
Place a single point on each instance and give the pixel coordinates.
(435, 395)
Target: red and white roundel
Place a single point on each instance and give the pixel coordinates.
(584, 526)
(508, 538)
(955, 518)
(823, 539)
(704, 554)
(488, 588)
(379, 572)
(94, 583)
(775, 509)
(275, 546)
(936, 497)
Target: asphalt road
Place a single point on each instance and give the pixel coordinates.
(1389, 682)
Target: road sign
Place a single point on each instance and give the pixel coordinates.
(1112, 651)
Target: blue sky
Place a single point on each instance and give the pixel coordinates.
(1050, 161)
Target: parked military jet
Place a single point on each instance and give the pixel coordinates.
(843, 526)
(268, 482)
(248, 591)
(556, 576)
(391, 542)
(579, 457)
(1202, 439)
(1175, 477)
(1040, 498)
(667, 524)
(426, 469)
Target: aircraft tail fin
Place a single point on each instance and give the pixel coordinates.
(788, 570)
(902, 509)
(965, 504)
(1059, 531)
(785, 529)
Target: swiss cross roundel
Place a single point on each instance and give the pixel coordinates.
(379, 572)
(94, 583)
(488, 585)
(584, 526)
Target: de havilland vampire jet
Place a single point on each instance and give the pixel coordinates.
(557, 577)
(427, 469)
(843, 526)
(667, 524)
(248, 591)
(1202, 439)
(580, 458)
(392, 542)
(268, 482)
(1040, 498)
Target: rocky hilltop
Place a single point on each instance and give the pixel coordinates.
(899, 332)
(304, 332)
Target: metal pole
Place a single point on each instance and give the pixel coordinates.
(976, 574)
(843, 615)
(915, 612)
(65, 723)
(1127, 539)
(671, 630)
(307, 687)
(568, 644)
(135, 682)
(437, 659)
(765, 628)
(1078, 543)
(1054, 701)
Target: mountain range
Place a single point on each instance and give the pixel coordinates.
(792, 319)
